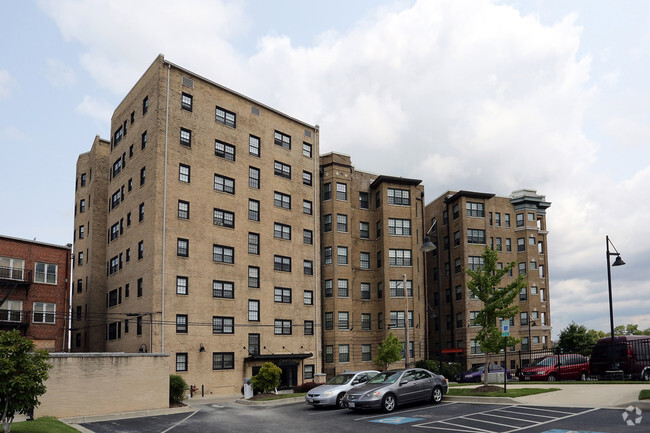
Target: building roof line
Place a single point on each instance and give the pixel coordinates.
(34, 241)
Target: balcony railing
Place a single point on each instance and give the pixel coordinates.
(13, 319)
(15, 274)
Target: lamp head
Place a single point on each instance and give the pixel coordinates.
(618, 262)
(427, 245)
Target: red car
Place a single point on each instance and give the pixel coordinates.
(570, 366)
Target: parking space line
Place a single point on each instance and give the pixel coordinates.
(532, 414)
(506, 417)
(402, 411)
(541, 409)
(464, 428)
(556, 419)
(180, 422)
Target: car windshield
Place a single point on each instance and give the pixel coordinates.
(341, 379)
(549, 361)
(479, 368)
(386, 377)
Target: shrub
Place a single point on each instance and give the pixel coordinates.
(451, 369)
(305, 387)
(268, 378)
(429, 364)
(177, 387)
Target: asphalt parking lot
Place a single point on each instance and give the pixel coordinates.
(445, 417)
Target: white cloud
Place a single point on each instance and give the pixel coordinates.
(628, 132)
(6, 83)
(96, 109)
(59, 74)
(11, 134)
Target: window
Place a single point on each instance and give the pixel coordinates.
(508, 245)
(223, 254)
(522, 268)
(342, 255)
(523, 319)
(253, 310)
(534, 290)
(117, 167)
(253, 344)
(308, 297)
(80, 258)
(181, 323)
(254, 145)
(507, 219)
(184, 173)
(281, 169)
(523, 294)
(365, 291)
(399, 257)
(309, 327)
(366, 321)
(141, 212)
(459, 292)
(344, 320)
(140, 288)
(225, 117)
(143, 140)
(520, 220)
(44, 312)
(253, 210)
(341, 191)
(532, 265)
(281, 231)
(364, 230)
(399, 227)
(282, 295)
(475, 209)
(378, 229)
(341, 223)
(474, 262)
(472, 318)
(396, 288)
(327, 289)
(521, 245)
(499, 246)
(327, 223)
(186, 137)
(497, 219)
(282, 327)
(378, 259)
(399, 197)
(456, 239)
(366, 352)
(282, 263)
(183, 209)
(45, 273)
(455, 211)
(397, 319)
(223, 289)
(329, 354)
(182, 247)
(145, 105)
(181, 285)
(343, 290)
(327, 255)
(364, 260)
(253, 243)
(363, 200)
(254, 177)
(254, 277)
(306, 149)
(306, 178)
(181, 362)
(224, 150)
(344, 353)
(82, 206)
(224, 184)
(307, 237)
(306, 207)
(83, 179)
(186, 102)
(327, 191)
(282, 200)
(475, 347)
(308, 267)
(282, 140)
(329, 321)
(475, 236)
(143, 175)
(223, 218)
(223, 360)
(223, 325)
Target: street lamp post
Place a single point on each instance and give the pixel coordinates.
(406, 322)
(617, 262)
(427, 246)
(530, 341)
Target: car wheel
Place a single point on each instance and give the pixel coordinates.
(436, 395)
(339, 401)
(388, 403)
(583, 376)
(551, 378)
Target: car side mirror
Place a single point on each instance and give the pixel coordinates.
(403, 382)
(356, 382)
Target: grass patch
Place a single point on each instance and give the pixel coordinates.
(268, 397)
(511, 392)
(46, 424)
(644, 394)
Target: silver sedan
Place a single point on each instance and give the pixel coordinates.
(393, 387)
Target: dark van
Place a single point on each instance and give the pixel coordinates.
(631, 354)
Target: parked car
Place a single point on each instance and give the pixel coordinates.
(631, 354)
(475, 374)
(331, 392)
(569, 366)
(391, 388)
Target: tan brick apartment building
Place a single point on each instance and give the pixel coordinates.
(467, 222)
(34, 290)
(371, 234)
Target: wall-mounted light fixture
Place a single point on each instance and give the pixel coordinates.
(202, 348)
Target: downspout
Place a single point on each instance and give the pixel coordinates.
(162, 326)
(451, 294)
(315, 237)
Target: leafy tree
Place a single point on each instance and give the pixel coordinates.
(576, 338)
(268, 378)
(23, 372)
(177, 387)
(389, 351)
(629, 329)
(497, 303)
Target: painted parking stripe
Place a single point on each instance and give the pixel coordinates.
(555, 430)
(396, 420)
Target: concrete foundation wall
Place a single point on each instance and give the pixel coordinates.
(84, 384)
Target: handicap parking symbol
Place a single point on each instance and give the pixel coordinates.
(395, 420)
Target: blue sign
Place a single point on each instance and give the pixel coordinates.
(396, 420)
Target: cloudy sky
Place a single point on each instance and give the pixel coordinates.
(491, 96)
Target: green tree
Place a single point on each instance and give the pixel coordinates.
(23, 372)
(389, 351)
(497, 303)
(576, 338)
(268, 378)
(177, 387)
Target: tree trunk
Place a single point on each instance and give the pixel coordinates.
(486, 369)
(6, 422)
